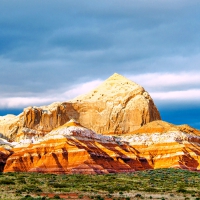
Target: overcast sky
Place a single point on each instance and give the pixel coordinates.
(55, 50)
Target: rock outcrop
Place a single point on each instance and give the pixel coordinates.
(5, 152)
(9, 126)
(114, 128)
(72, 148)
(165, 145)
(117, 106)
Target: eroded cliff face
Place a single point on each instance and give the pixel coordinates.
(72, 148)
(117, 106)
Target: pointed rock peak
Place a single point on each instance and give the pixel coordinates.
(116, 76)
(115, 88)
(119, 79)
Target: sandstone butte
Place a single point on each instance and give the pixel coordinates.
(117, 106)
(114, 128)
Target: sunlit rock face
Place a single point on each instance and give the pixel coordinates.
(9, 126)
(72, 148)
(117, 106)
(165, 145)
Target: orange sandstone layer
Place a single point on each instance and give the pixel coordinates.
(89, 157)
(73, 156)
(159, 126)
(72, 148)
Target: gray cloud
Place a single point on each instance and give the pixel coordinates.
(47, 48)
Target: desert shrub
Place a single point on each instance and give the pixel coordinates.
(7, 182)
(56, 197)
(181, 190)
(30, 188)
(11, 173)
(150, 189)
(34, 181)
(28, 197)
(58, 185)
(80, 196)
(99, 197)
(21, 180)
(138, 195)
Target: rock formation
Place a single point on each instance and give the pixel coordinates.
(117, 106)
(9, 126)
(72, 148)
(165, 145)
(5, 152)
(114, 128)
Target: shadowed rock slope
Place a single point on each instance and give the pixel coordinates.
(117, 106)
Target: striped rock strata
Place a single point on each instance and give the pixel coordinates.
(72, 148)
(117, 106)
(165, 145)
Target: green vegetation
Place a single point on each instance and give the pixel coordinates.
(151, 184)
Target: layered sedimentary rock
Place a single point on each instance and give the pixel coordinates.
(115, 128)
(73, 148)
(165, 145)
(117, 106)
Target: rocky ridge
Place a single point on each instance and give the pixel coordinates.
(117, 106)
(114, 128)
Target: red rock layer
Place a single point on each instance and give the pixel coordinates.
(171, 155)
(78, 156)
(75, 149)
(74, 156)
